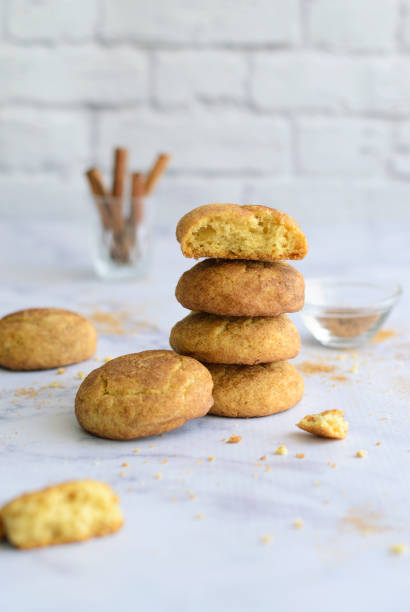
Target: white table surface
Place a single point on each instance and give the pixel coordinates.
(165, 558)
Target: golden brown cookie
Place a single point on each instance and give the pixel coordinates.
(242, 340)
(43, 338)
(241, 288)
(143, 394)
(67, 512)
(255, 391)
(327, 424)
(231, 231)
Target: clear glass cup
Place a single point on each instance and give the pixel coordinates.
(343, 313)
(123, 236)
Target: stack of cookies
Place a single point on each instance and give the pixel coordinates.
(239, 297)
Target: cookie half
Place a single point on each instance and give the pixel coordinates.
(231, 231)
(68, 512)
(241, 288)
(235, 340)
(255, 391)
(143, 394)
(43, 338)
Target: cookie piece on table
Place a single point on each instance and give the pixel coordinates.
(327, 424)
(235, 340)
(68, 512)
(231, 231)
(255, 391)
(143, 394)
(44, 338)
(241, 288)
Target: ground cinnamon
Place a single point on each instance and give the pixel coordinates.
(347, 322)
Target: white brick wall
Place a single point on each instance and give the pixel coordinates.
(222, 22)
(183, 77)
(302, 104)
(229, 141)
(354, 25)
(51, 21)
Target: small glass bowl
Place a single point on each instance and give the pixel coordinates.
(347, 313)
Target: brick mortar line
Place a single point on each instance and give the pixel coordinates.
(200, 104)
(62, 172)
(160, 46)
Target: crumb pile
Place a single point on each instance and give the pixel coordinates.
(239, 297)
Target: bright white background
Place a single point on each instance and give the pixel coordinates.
(303, 104)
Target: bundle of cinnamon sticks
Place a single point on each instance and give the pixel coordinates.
(119, 223)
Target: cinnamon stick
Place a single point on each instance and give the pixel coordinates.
(137, 195)
(100, 194)
(120, 169)
(156, 172)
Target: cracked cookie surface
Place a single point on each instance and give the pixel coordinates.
(44, 338)
(235, 340)
(143, 394)
(255, 391)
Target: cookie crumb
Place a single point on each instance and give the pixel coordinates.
(122, 473)
(262, 458)
(136, 450)
(298, 523)
(267, 468)
(107, 359)
(316, 483)
(378, 443)
(125, 464)
(300, 455)
(361, 453)
(198, 461)
(81, 375)
(191, 495)
(223, 439)
(398, 549)
(158, 476)
(60, 370)
(266, 539)
(281, 450)
(354, 368)
(56, 385)
(199, 516)
(234, 439)
(164, 461)
(211, 458)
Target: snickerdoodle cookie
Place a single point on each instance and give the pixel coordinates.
(242, 340)
(143, 394)
(255, 391)
(231, 231)
(67, 512)
(241, 288)
(43, 338)
(327, 424)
